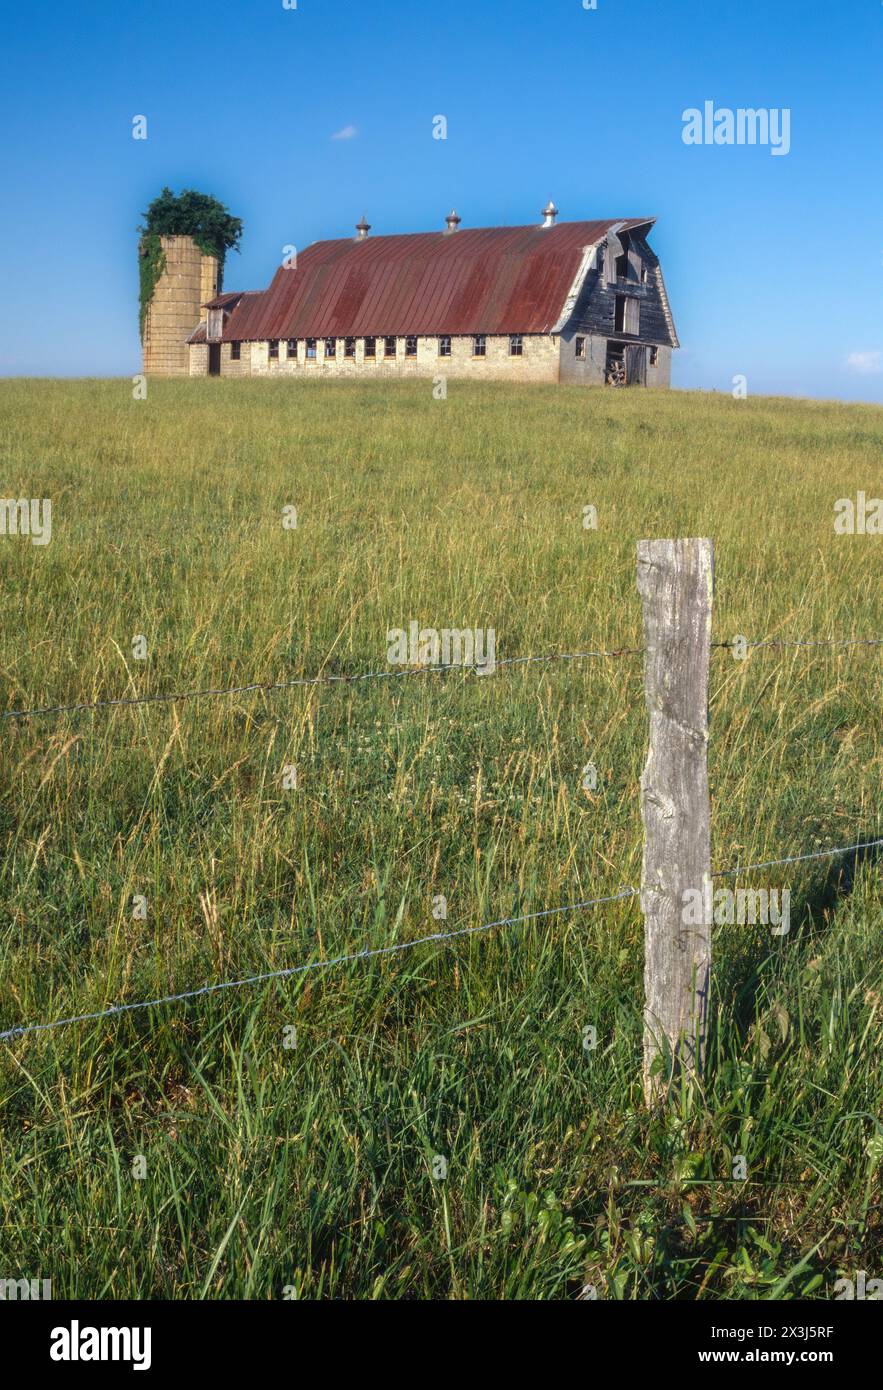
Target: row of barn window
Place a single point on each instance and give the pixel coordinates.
(390, 346)
(627, 319)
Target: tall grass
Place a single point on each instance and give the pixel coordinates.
(303, 1160)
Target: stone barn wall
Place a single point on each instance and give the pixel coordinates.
(538, 361)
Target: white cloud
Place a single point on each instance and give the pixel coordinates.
(346, 133)
(868, 363)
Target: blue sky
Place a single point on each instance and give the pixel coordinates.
(774, 264)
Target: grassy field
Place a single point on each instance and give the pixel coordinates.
(310, 1167)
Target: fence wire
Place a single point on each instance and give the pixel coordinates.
(266, 687)
(371, 952)
(291, 970)
(434, 937)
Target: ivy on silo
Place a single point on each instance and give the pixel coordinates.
(150, 267)
(188, 213)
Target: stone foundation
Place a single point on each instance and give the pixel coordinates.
(199, 359)
(589, 370)
(538, 361)
(544, 358)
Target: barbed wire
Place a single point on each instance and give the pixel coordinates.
(291, 970)
(397, 946)
(813, 642)
(266, 687)
(799, 858)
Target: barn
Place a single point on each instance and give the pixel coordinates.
(574, 302)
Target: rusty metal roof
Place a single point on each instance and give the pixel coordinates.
(226, 301)
(481, 280)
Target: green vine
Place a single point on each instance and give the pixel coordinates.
(188, 213)
(150, 267)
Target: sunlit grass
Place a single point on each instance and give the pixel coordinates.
(314, 1162)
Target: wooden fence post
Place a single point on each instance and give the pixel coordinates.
(676, 580)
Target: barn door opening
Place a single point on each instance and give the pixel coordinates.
(214, 359)
(615, 365)
(636, 364)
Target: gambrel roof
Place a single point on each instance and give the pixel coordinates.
(482, 280)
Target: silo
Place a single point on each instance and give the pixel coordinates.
(188, 279)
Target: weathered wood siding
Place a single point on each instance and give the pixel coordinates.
(595, 309)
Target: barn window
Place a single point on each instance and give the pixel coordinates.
(622, 266)
(516, 345)
(274, 347)
(479, 345)
(234, 351)
(370, 347)
(444, 345)
(627, 315)
(654, 357)
(349, 347)
(579, 347)
(311, 348)
(330, 347)
(411, 345)
(389, 346)
(291, 347)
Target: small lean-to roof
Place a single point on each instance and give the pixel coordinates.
(480, 280)
(220, 301)
(227, 301)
